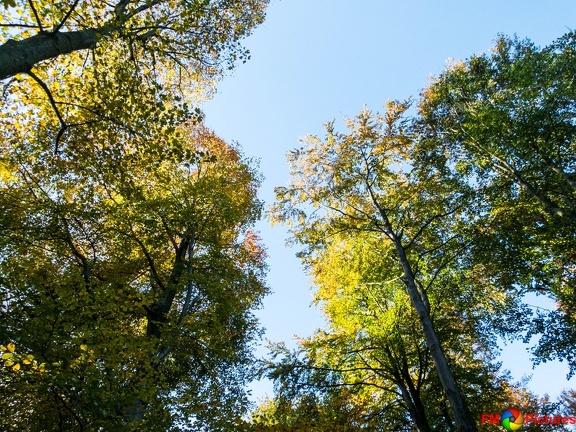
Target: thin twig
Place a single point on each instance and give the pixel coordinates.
(35, 12)
(59, 26)
(18, 25)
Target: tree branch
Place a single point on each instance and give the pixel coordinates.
(83, 260)
(191, 285)
(429, 221)
(59, 26)
(20, 56)
(18, 25)
(36, 17)
(142, 8)
(63, 124)
(151, 264)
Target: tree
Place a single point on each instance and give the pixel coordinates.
(504, 121)
(172, 38)
(127, 280)
(366, 182)
(372, 364)
(527, 402)
(127, 262)
(308, 412)
(139, 61)
(568, 400)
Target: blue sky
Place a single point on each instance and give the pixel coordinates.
(318, 60)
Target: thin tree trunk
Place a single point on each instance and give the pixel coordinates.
(409, 393)
(462, 415)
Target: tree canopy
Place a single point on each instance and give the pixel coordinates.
(132, 278)
(363, 186)
(448, 217)
(505, 121)
(116, 66)
(171, 38)
(129, 270)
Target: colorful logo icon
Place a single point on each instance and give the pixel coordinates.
(512, 419)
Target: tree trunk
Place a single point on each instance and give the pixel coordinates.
(410, 394)
(462, 415)
(464, 420)
(20, 56)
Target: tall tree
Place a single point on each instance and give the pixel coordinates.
(127, 262)
(372, 364)
(127, 281)
(365, 181)
(505, 121)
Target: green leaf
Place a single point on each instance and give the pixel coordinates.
(8, 3)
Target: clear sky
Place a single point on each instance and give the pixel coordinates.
(318, 60)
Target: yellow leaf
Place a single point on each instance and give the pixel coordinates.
(26, 361)
(83, 347)
(11, 347)
(7, 356)
(16, 367)
(8, 363)
(3, 348)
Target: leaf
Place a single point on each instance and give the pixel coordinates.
(11, 347)
(509, 116)
(111, 207)
(8, 3)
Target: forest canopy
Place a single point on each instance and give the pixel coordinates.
(130, 269)
(423, 233)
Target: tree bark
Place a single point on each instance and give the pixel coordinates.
(410, 394)
(20, 56)
(462, 415)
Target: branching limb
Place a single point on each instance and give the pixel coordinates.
(429, 222)
(86, 268)
(31, 26)
(169, 233)
(191, 285)
(148, 5)
(63, 124)
(150, 260)
(66, 406)
(120, 9)
(59, 26)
